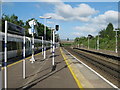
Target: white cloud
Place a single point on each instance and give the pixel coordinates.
(86, 28)
(108, 16)
(99, 22)
(66, 12)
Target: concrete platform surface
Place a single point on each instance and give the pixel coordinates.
(41, 74)
(86, 77)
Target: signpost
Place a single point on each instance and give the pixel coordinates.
(32, 23)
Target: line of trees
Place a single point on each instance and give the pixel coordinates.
(39, 27)
(106, 36)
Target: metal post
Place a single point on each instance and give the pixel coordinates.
(51, 41)
(0, 76)
(42, 45)
(5, 57)
(53, 48)
(116, 42)
(88, 42)
(32, 59)
(1, 60)
(24, 67)
(116, 47)
(44, 38)
(98, 43)
(56, 41)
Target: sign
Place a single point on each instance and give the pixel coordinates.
(32, 30)
(15, 29)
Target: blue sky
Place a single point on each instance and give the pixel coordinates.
(75, 18)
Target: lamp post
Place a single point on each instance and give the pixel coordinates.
(116, 49)
(51, 37)
(45, 18)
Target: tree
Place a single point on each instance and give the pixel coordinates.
(109, 31)
(39, 27)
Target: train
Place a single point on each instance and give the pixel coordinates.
(15, 45)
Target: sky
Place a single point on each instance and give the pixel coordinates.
(76, 19)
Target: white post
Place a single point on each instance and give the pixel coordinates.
(24, 67)
(98, 43)
(116, 47)
(42, 45)
(44, 38)
(32, 59)
(0, 76)
(88, 42)
(116, 42)
(5, 57)
(53, 47)
(51, 41)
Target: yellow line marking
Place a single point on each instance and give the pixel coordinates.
(21, 60)
(73, 74)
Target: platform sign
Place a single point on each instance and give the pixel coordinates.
(31, 30)
(15, 29)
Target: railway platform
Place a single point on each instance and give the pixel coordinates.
(41, 74)
(67, 73)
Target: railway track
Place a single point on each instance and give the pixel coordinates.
(101, 54)
(110, 70)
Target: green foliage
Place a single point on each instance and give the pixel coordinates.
(39, 27)
(106, 39)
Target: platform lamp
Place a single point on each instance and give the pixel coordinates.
(45, 18)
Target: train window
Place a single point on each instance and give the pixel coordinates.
(11, 45)
(1, 47)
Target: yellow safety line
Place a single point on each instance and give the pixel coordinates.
(21, 60)
(73, 74)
